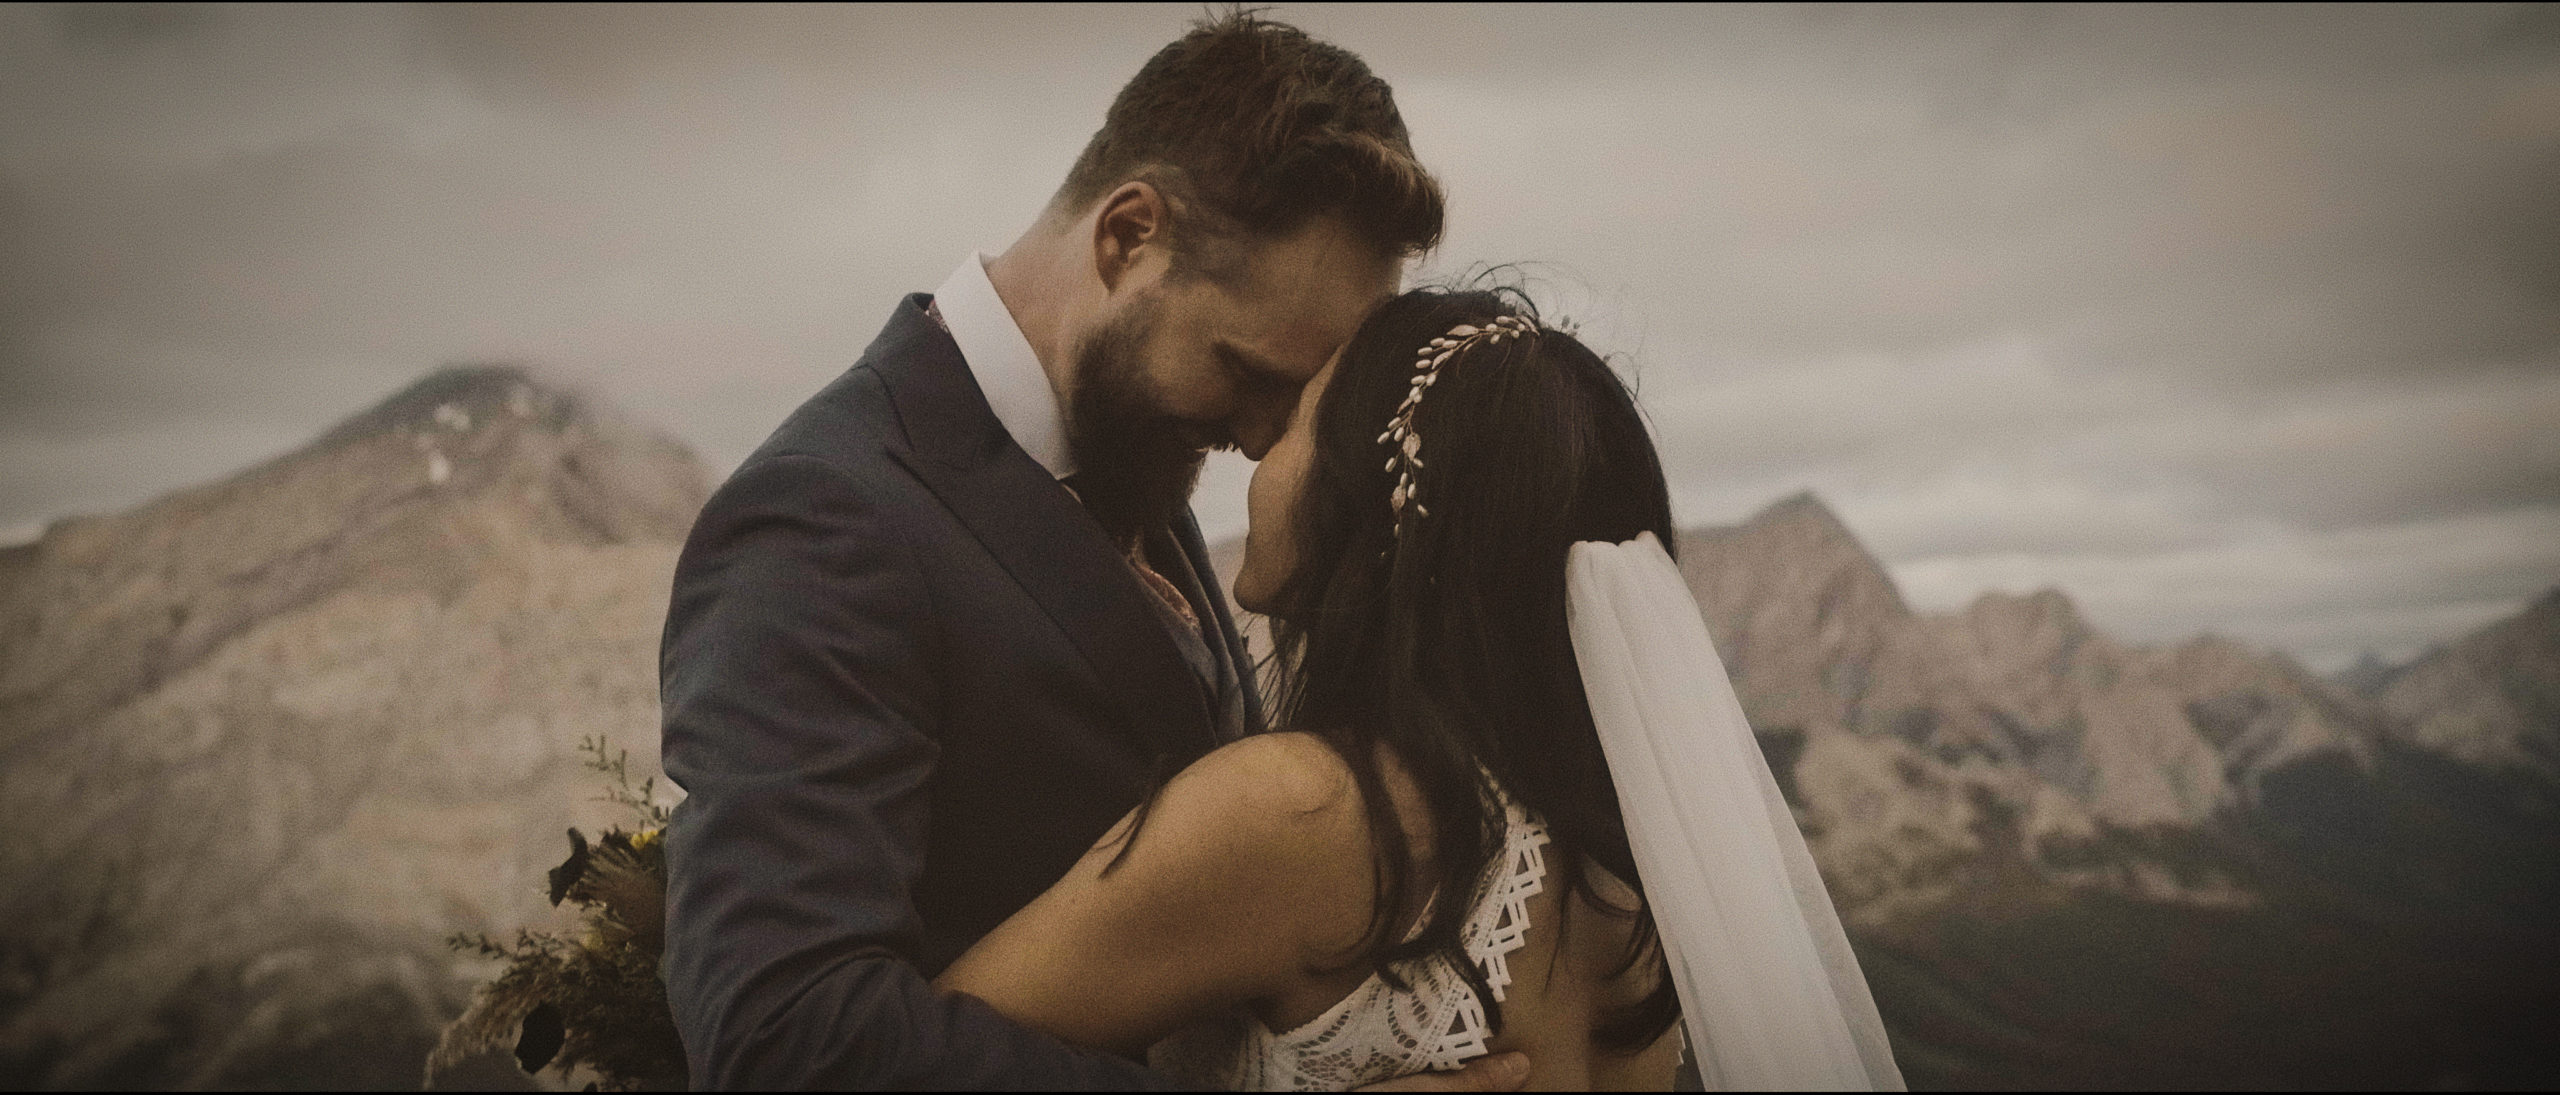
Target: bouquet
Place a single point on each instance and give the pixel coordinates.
(594, 1001)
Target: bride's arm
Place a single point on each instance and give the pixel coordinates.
(1252, 869)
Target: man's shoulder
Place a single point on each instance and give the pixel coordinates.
(833, 459)
(851, 423)
(858, 419)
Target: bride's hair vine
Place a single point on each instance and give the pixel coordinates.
(1405, 445)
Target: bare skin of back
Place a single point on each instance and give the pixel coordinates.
(1250, 886)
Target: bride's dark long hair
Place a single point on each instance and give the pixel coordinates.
(1447, 642)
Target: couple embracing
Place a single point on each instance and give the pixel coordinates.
(985, 791)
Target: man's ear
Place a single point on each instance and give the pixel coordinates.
(1130, 230)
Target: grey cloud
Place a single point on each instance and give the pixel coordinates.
(272, 75)
(2119, 299)
(581, 54)
(2359, 455)
(2394, 589)
(2171, 308)
(122, 26)
(2338, 456)
(125, 466)
(2532, 31)
(719, 249)
(2149, 230)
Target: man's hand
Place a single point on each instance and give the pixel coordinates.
(1499, 1072)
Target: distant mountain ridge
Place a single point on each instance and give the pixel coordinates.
(2072, 862)
(266, 741)
(2018, 696)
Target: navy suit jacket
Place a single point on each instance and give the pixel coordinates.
(907, 681)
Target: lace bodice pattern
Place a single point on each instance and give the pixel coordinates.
(1379, 1032)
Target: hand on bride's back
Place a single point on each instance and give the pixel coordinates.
(1499, 1072)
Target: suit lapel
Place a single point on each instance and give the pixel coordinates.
(1036, 531)
(1186, 534)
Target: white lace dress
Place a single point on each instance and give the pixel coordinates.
(1379, 1033)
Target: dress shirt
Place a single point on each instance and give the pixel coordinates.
(1007, 371)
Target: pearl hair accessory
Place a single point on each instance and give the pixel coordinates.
(1406, 445)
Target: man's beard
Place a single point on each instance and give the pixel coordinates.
(1135, 464)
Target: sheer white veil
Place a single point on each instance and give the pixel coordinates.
(1770, 995)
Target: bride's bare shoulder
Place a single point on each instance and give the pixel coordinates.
(1270, 806)
(1274, 797)
(1288, 800)
(1286, 771)
(1298, 786)
(1267, 830)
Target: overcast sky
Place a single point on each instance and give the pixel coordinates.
(2231, 319)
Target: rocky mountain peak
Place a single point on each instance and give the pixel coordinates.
(609, 477)
(1794, 602)
(2491, 697)
(455, 396)
(1794, 548)
(1803, 521)
(2368, 676)
(2043, 624)
(272, 738)
(456, 471)
(1802, 505)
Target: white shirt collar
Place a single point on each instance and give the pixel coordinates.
(1008, 372)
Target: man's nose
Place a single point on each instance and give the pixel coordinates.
(1254, 440)
(1260, 423)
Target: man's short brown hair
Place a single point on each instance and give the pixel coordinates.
(1250, 127)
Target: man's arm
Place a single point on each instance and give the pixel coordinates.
(799, 700)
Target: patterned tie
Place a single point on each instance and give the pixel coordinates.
(1162, 587)
(1136, 553)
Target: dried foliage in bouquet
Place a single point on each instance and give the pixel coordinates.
(595, 1001)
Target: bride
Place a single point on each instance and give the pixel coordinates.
(1516, 806)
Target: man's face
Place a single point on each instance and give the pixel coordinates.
(1186, 365)
(1232, 358)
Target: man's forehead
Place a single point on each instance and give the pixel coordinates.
(1315, 288)
(1326, 259)
(1302, 340)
